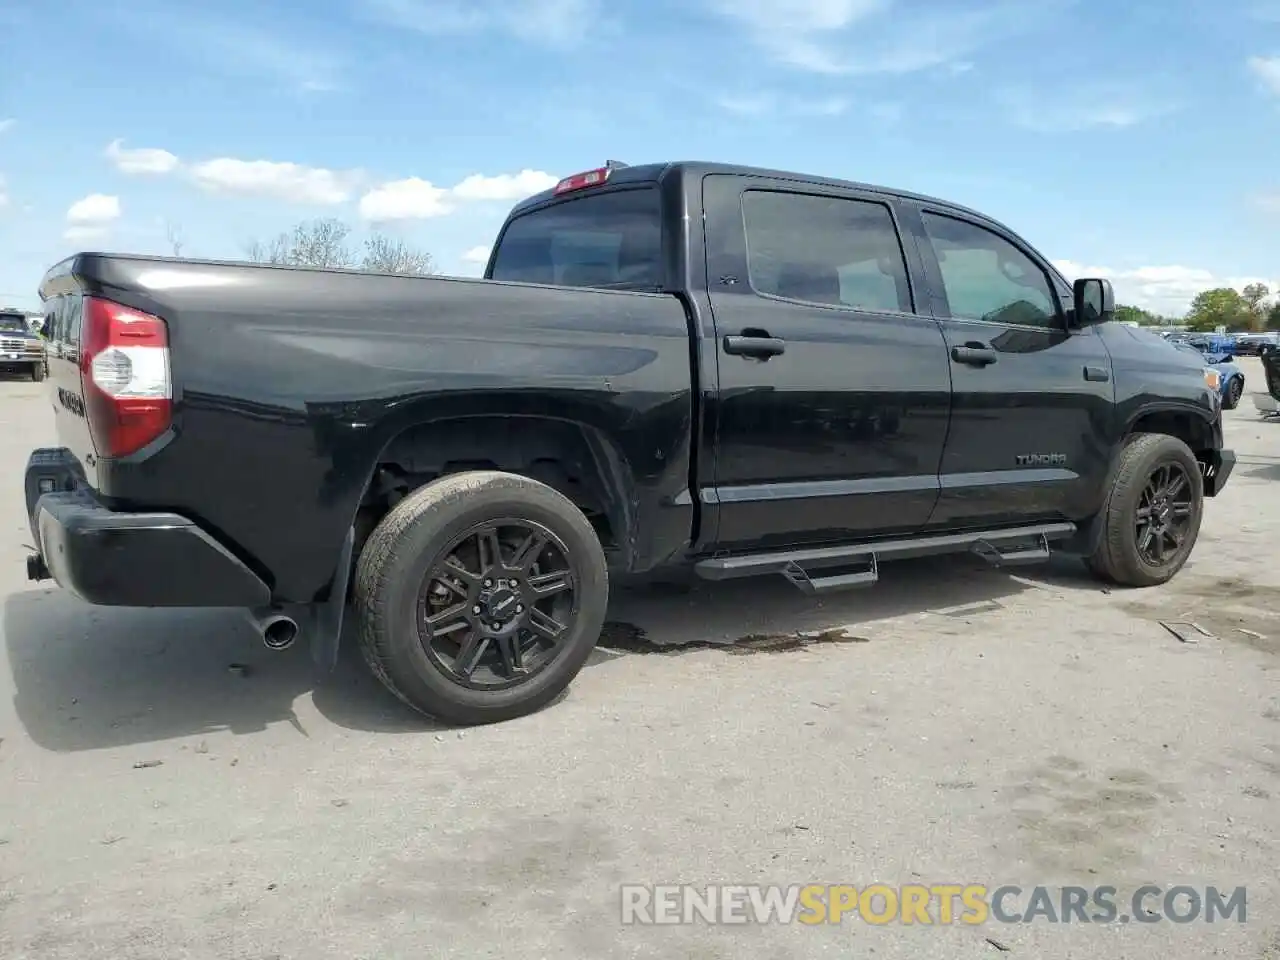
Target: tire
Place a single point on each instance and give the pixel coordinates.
(37, 373)
(1118, 558)
(392, 577)
(1235, 390)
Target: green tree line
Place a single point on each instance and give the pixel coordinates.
(1250, 309)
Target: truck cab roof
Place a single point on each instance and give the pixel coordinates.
(695, 169)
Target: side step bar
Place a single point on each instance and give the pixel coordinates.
(858, 564)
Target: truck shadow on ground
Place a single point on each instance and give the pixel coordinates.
(1259, 467)
(90, 678)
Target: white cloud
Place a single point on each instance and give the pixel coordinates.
(477, 255)
(878, 36)
(290, 182)
(411, 199)
(416, 199)
(96, 209)
(1067, 109)
(7, 125)
(1269, 202)
(1267, 70)
(1165, 290)
(550, 22)
(748, 106)
(762, 104)
(505, 186)
(4, 193)
(83, 234)
(141, 160)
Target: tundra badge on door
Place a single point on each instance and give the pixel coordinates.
(1041, 459)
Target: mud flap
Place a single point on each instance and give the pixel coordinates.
(327, 633)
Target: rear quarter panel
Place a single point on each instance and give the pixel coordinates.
(290, 382)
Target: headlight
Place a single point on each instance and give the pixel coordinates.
(1212, 379)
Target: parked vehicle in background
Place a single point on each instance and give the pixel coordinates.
(1252, 344)
(726, 369)
(1268, 404)
(1230, 377)
(21, 349)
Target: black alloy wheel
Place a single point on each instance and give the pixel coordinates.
(1163, 518)
(496, 603)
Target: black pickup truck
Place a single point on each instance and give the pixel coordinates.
(694, 365)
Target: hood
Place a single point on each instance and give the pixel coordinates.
(1178, 353)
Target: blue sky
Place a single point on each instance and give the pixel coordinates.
(1139, 139)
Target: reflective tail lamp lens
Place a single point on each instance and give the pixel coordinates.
(124, 373)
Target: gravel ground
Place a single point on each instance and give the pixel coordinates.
(172, 789)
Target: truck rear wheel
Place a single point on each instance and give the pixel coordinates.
(1152, 514)
(480, 597)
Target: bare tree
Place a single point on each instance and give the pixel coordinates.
(315, 243)
(173, 234)
(323, 243)
(384, 255)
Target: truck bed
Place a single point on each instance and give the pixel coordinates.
(290, 385)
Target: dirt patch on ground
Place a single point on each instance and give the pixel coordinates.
(629, 638)
(1230, 608)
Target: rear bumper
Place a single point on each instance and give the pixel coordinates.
(126, 559)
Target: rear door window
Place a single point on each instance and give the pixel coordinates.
(829, 250)
(611, 240)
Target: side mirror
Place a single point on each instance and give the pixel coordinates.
(1095, 301)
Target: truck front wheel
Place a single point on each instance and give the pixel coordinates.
(480, 597)
(1152, 514)
(37, 373)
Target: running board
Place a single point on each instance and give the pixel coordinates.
(858, 564)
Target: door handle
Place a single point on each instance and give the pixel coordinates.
(974, 354)
(759, 347)
(1097, 374)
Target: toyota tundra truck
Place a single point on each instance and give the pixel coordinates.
(718, 369)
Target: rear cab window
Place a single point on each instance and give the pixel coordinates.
(611, 239)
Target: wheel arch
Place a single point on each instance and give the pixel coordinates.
(576, 458)
(1190, 425)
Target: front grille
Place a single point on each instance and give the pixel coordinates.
(14, 345)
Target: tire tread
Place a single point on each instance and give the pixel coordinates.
(381, 559)
(1108, 561)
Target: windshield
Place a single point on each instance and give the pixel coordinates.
(13, 323)
(610, 240)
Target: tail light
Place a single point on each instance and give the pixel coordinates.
(124, 371)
